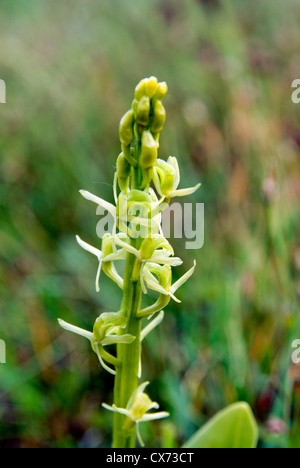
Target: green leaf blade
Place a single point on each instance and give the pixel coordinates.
(233, 427)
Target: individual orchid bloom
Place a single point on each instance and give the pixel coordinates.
(154, 249)
(105, 332)
(105, 258)
(166, 178)
(163, 280)
(159, 278)
(136, 410)
(139, 213)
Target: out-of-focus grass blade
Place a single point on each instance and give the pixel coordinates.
(233, 427)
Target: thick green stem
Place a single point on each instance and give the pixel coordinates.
(127, 375)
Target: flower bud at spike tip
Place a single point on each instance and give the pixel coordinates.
(161, 91)
(123, 171)
(134, 105)
(151, 86)
(140, 89)
(129, 154)
(159, 117)
(149, 151)
(143, 111)
(126, 128)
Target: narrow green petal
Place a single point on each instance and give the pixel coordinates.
(153, 416)
(108, 407)
(105, 367)
(155, 286)
(139, 437)
(175, 298)
(119, 255)
(115, 188)
(154, 323)
(76, 330)
(143, 286)
(164, 260)
(136, 393)
(156, 182)
(99, 201)
(89, 248)
(127, 247)
(113, 339)
(110, 270)
(184, 278)
(98, 276)
(172, 160)
(115, 409)
(183, 192)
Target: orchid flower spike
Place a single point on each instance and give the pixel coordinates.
(143, 186)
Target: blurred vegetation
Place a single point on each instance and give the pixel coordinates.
(70, 69)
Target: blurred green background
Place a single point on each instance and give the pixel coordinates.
(70, 69)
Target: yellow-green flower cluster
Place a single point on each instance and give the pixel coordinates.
(143, 123)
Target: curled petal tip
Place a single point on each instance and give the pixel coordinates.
(89, 247)
(63, 324)
(74, 329)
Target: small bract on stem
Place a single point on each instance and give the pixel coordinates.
(137, 239)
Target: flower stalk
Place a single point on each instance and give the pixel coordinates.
(137, 239)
